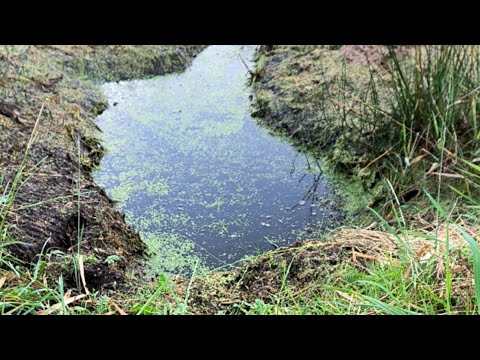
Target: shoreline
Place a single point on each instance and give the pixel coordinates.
(395, 261)
(54, 200)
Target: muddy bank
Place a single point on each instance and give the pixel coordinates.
(57, 182)
(307, 273)
(320, 95)
(198, 177)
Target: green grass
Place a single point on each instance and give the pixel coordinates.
(432, 117)
(378, 289)
(426, 137)
(432, 122)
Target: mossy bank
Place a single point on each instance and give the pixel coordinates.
(372, 114)
(362, 108)
(58, 200)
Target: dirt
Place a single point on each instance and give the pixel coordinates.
(369, 54)
(299, 267)
(298, 90)
(45, 214)
(302, 269)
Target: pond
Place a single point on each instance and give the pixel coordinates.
(201, 181)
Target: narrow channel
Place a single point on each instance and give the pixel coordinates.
(200, 180)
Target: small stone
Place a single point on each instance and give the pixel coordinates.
(268, 217)
(301, 202)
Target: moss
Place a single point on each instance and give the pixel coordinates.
(54, 77)
(309, 93)
(218, 176)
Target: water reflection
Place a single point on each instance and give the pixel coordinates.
(197, 176)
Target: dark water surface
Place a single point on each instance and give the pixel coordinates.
(196, 175)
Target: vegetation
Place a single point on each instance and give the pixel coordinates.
(45, 180)
(413, 116)
(406, 125)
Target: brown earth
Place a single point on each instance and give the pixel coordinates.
(46, 209)
(302, 269)
(45, 213)
(314, 94)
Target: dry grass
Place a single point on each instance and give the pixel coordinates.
(306, 270)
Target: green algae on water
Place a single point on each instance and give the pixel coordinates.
(195, 174)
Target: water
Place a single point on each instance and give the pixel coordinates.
(195, 174)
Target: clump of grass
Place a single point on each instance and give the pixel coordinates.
(433, 108)
(431, 118)
(428, 273)
(425, 136)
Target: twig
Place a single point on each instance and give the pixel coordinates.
(244, 63)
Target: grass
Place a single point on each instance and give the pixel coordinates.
(26, 290)
(421, 116)
(379, 288)
(423, 135)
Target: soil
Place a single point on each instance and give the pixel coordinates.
(303, 268)
(290, 82)
(66, 150)
(369, 54)
(297, 91)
